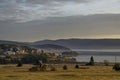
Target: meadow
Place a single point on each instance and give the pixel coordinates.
(11, 72)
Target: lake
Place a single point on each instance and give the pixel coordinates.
(112, 55)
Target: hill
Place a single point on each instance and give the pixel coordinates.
(13, 42)
(84, 43)
(73, 43)
(52, 48)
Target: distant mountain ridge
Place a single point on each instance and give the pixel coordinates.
(75, 43)
(83, 43)
(13, 42)
(51, 46)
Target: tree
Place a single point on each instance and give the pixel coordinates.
(43, 57)
(91, 62)
(32, 58)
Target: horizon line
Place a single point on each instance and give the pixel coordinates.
(62, 39)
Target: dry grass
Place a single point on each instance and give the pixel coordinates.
(11, 72)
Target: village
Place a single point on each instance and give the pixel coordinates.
(13, 53)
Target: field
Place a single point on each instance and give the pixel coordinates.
(11, 72)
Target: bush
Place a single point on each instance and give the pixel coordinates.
(116, 67)
(65, 67)
(43, 68)
(35, 68)
(19, 64)
(77, 66)
(53, 68)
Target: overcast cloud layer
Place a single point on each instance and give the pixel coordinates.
(29, 10)
(31, 20)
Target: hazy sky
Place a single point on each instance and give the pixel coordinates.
(32, 20)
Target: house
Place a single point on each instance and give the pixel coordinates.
(9, 53)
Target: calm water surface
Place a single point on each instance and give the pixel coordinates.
(99, 55)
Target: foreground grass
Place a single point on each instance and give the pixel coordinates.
(11, 72)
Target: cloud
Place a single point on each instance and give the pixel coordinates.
(30, 10)
(51, 1)
(43, 2)
(90, 26)
(51, 19)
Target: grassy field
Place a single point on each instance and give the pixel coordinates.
(11, 72)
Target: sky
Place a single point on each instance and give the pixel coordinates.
(33, 20)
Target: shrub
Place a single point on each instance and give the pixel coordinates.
(53, 68)
(116, 67)
(43, 68)
(38, 68)
(19, 64)
(65, 67)
(77, 66)
(35, 68)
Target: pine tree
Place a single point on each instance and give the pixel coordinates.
(91, 61)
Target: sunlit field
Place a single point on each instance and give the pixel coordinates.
(11, 72)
